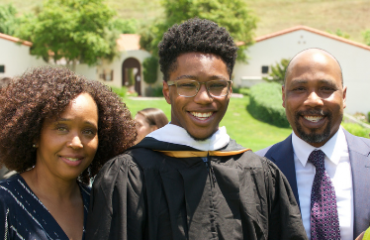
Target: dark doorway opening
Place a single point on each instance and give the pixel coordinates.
(131, 74)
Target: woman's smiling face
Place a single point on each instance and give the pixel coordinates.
(67, 145)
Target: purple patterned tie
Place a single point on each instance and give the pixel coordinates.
(324, 214)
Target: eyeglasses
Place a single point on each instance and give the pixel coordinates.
(190, 88)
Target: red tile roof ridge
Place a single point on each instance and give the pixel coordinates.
(313, 30)
(14, 39)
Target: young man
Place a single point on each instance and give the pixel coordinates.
(314, 99)
(189, 180)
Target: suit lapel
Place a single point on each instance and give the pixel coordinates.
(283, 156)
(359, 158)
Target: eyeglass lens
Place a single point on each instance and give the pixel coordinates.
(190, 88)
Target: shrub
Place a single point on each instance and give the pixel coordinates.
(368, 117)
(356, 129)
(265, 104)
(154, 91)
(120, 91)
(150, 69)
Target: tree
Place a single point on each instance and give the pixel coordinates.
(278, 71)
(125, 25)
(76, 30)
(8, 20)
(231, 14)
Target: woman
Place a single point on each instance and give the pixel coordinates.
(56, 129)
(149, 120)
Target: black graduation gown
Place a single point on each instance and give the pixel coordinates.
(145, 194)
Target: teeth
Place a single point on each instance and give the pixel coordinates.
(313, 118)
(201, 116)
(72, 159)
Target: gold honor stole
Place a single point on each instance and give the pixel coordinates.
(191, 154)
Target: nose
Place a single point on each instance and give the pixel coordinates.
(314, 100)
(203, 97)
(76, 142)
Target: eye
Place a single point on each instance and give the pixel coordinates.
(89, 131)
(61, 128)
(186, 85)
(328, 89)
(220, 84)
(299, 89)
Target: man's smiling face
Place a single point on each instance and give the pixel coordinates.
(313, 96)
(201, 114)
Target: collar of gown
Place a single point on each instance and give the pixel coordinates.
(178, 135)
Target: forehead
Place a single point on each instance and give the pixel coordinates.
(200, 65)
(314, 65)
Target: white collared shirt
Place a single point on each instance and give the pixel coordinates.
(338, 167)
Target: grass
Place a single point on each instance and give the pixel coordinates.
(351, 17)
(240, 125)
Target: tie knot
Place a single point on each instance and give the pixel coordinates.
(317, 159)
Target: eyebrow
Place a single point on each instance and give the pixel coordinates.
(214, 77)
(303, 81)
(70, 120)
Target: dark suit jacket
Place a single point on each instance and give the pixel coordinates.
(359, 156)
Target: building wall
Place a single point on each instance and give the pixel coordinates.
(354, 61)
(16, 58)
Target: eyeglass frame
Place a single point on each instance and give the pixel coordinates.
(230, 82)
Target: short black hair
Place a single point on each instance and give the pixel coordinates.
(196, 35)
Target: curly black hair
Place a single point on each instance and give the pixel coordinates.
(45, 93)
(196, 35)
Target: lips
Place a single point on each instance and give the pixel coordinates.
(202, 116)
(313, 118)
(72, 161)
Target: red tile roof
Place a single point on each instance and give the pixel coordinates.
(127, 42)
(322, 33)
(14, 39)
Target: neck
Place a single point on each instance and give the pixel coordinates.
(46, 185)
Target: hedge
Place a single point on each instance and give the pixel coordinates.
(356, 129)
(120, 91)
(265, 104)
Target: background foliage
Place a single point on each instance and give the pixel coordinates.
(231, 14)
(150, 69)
(265, 104)
(278, 70)
(77, 30)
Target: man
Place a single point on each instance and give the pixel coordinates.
(189, 180)
(314, 98)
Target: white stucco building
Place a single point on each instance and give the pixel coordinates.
(15, 57)
(353, 57)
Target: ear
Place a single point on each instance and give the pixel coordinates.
(344, 96)
(283, 95)
(153, 128)
(166, 92)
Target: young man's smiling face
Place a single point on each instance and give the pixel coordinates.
(201, 114)
(313, 96)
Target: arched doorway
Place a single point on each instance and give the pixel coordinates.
(131, 74)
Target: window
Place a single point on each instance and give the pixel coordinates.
(2, 69)
(265, 69)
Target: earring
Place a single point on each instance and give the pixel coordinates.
(34, 145)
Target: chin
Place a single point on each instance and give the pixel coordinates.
(199, 137)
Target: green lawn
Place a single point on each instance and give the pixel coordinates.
(240, 125)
